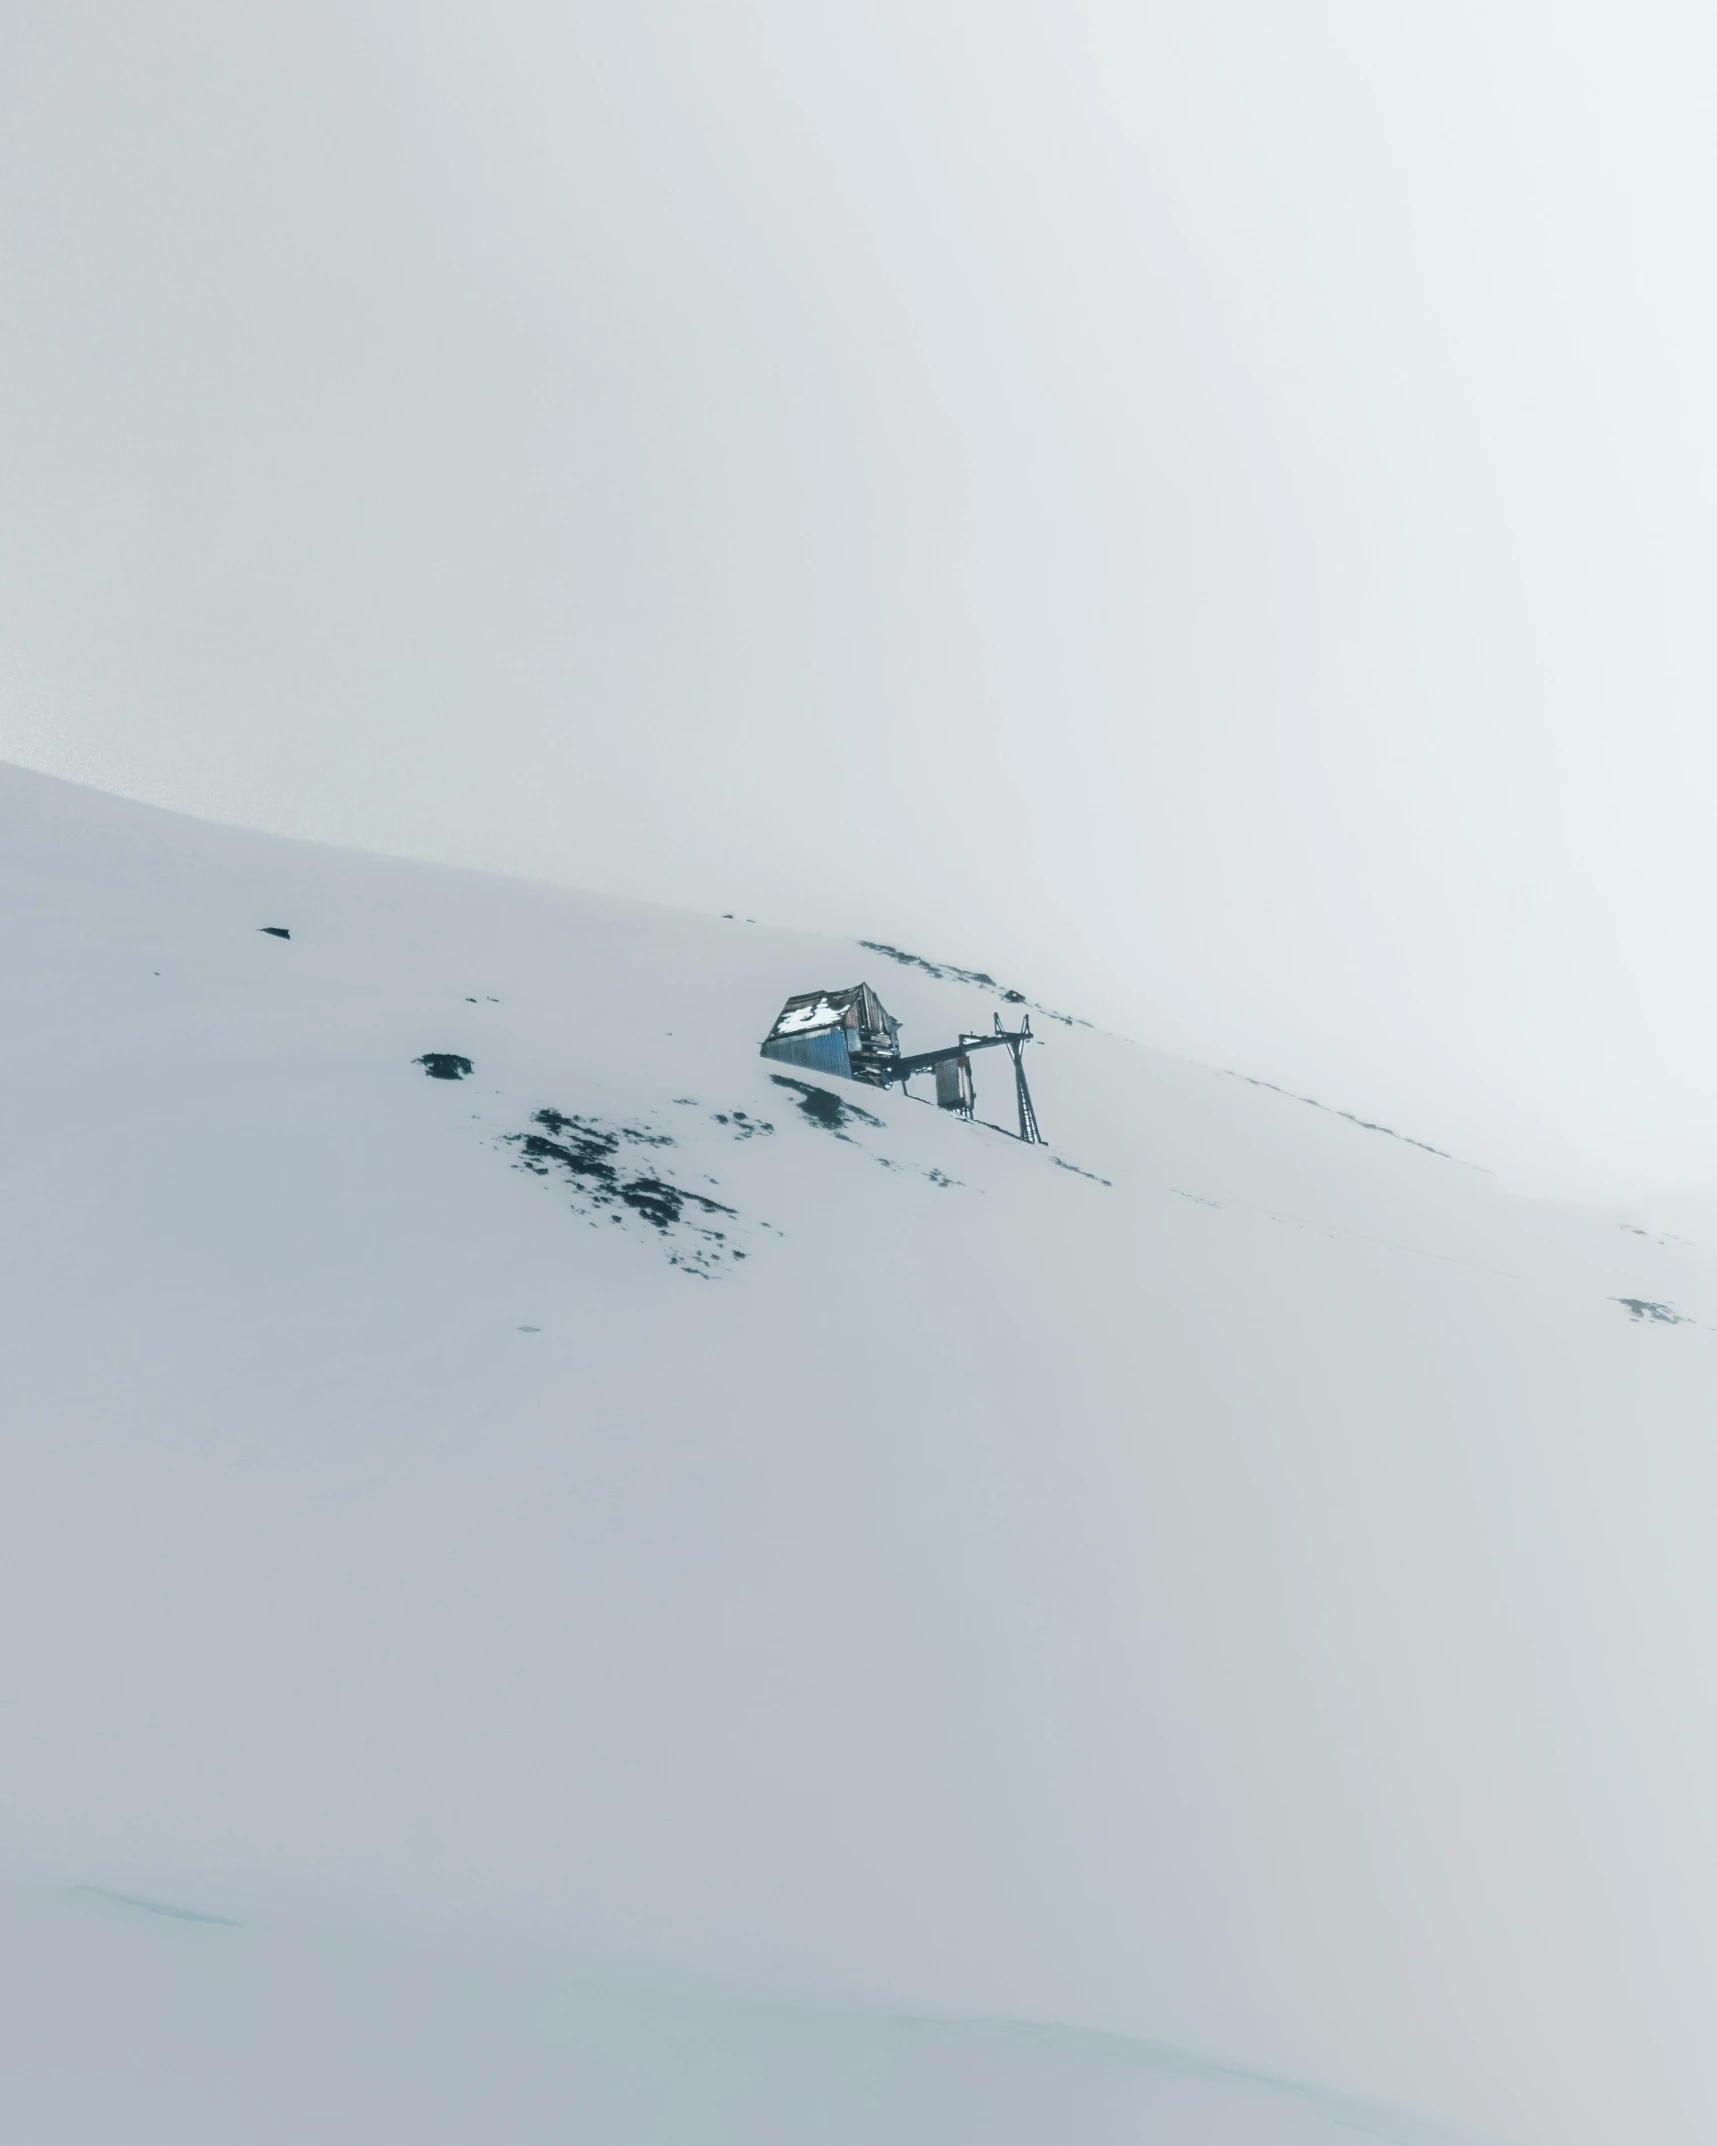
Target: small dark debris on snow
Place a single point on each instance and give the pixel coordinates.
(833, 1113)
(822, 1107)
(943, 969)
(575, 1144)
(946, 971)
(444, 1065)
(1366, 1125)
(662, 1203)
(742, 1127)
(1062, 1164)
(586, 1129)
(275, 931)
(1663, 1314)
(588, 1154)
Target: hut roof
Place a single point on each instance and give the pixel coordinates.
(812, 1010)
(856, 1009)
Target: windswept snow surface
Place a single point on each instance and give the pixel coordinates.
(650, 1608)
(140, 2022)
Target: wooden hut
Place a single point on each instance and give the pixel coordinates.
(848, 1033)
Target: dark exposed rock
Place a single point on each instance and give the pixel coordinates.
(822, 1106)
(590, 1156)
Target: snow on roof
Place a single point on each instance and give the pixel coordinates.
(813, 1010)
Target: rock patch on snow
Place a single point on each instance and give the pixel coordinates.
(947, 972)
(587, 1154)
(831, 1112)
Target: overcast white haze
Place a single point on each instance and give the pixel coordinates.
(1202, 511)
(1205, 505)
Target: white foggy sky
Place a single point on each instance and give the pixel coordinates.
(1203, 507)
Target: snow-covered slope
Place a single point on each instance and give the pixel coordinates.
(135, 2021)
(1234, 1580)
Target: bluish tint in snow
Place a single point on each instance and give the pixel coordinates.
(118, 2027)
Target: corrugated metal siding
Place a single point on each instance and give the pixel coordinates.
(954, 1084)
(823, 1052)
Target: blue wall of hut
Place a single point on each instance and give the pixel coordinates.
(823, 1052)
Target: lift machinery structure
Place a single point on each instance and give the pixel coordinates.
(851, 1034)
(953, 1070)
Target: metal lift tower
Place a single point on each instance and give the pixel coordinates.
(851, 1033)
(958, 1055)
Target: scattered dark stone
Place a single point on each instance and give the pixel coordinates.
(1061, 1163)
(663, 1204)
(942, 969)
(741, 1126)
(1365, 1125)
(946, 970)
(588, 1153)
(582, 1149)
(275, 931)
(822, 1107)
(443, 1065)
(1663, 1314)
(587, 1135)
(657, 1202)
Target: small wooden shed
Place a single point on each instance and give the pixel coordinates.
(849, 1033)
